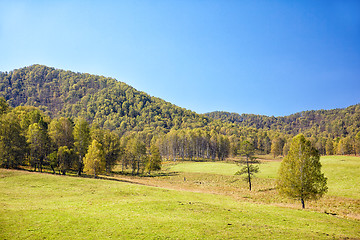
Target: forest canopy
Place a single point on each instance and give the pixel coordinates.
(113, 105)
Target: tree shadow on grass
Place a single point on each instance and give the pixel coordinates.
(115, 175)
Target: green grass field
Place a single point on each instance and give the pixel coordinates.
(46, 206)
(267, 169)
(343, 172)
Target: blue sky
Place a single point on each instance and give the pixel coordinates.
(261, 57)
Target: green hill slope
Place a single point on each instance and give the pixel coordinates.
(114, 105)
(327, 123)
(105, 101)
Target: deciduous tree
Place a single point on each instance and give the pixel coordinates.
(329, 147)
(39, 144)
(94, 163)
(82, 140)
(61, 132)
(300, 174)
(357, 143)
(12, 142)
(112, 149)
(154, 163)
(277, 146)
(64, 156)
(4, 107)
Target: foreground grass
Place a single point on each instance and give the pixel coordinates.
(45, 206)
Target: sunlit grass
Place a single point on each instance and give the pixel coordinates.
(343, 173)
(206, 167)
(45, 206)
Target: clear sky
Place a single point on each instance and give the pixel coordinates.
(261, 57)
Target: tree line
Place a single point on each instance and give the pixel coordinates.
(194, 144)
(30, 137)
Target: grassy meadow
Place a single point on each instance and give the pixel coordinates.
(188, 200)
(343, 172)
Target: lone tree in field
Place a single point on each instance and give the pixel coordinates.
(300, 174)
(249, 169)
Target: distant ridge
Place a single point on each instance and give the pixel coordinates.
(336, 122)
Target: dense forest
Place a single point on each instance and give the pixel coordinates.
(321, 123)
(114, 106)
(28, 137)
(105, 101)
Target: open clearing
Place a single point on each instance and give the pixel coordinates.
(343, 172)
(46, 206)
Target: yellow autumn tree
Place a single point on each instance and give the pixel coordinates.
(94, 163)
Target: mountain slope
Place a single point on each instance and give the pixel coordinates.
(104, 101)
(117, 106)
(329, 123)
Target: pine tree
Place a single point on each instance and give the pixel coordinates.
(300, 174)
(249, 169)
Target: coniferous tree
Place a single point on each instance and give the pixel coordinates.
(249, 169)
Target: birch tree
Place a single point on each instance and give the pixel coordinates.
(300, 174)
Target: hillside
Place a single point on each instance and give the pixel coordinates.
(326, 123)
(105, 101)
(116, 106)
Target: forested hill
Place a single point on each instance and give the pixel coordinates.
(327, 123)
(105, 101)
(117, 106)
